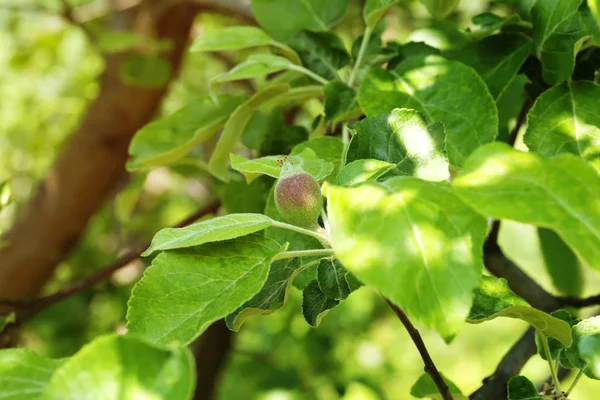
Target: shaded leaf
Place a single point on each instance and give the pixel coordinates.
(331, 276)
(374, 10)
(497, 59)
(440, 8)
(404, 138)
(443, 91)
(167, 140)
(186, 290)
(494, 299)
(212, 230)
(315, 304)
(241, 197)
(363, 170)
(340, 101)
(415, 242)
(521, 388)
(234, 127)
(489, 23)
(321, 52)
(561, 263)
(565, 119)
(556, 33)
(272, 296)
(24, 374)
(123, 367)
(560, 193)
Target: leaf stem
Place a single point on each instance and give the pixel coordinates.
(309, 73)
(304, 253)
(579, 375)
(321, 238)
(550, 363)
(361, 54)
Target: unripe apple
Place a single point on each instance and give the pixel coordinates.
(298, 196)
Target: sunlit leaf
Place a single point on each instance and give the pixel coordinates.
(404, 138)
(565, 119)
(186, 290)
(585, 351)
(374, 10)
(415, 242)
(24, 374)
(560, 193)
(443, 91)
(362, 170)
(494, 299)
(123, 367)
(326, 148)
(212, 230)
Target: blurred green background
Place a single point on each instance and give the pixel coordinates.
(48, 75)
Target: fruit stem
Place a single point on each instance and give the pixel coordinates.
(551, 364)
(321, 238)
(304, 253)
(309, 73)
(361, 54)
(574, 383)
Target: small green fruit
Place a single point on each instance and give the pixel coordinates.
(298, 196)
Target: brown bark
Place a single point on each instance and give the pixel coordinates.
(89, 166)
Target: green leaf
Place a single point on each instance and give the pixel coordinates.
(321, 52)
(212, 230)
(556, 348)
(584, 354)
(5, 194)
(510, 104)
(560, 193)
(6, 320)
(315, 304)
(24, 374)
(146, 71)
(186, 290)
(561, 263)
(497, 59)
(255, 66)
(241, 197)
(489, 23)
(167, 140)
(326, 148)
(234, 127)
(363, 170)
(374, 10)
(404, 138)
(425, 388)
(123, 367)
(594, 6)
(331, 276)
(284, 18)
(231, 38)
(440, 8)
(340, 102)
(269, 165)
(117, 41)
(494, 299)
(521, 388)
(564, 119)
(443, 91)
(556, 33)
(272, 296)
(415, 242)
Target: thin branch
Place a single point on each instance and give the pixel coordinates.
(512, 138)
(28, 308)
(580, 303)
(495, 386)
(522, 284)
(430, 367)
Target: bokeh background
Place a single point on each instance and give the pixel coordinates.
(48, 76)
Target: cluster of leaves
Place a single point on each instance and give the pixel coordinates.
(408, 193)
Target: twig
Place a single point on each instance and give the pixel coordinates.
(522, 284)
(494, 387)
(430, 367)
(28, 308)
(580, 303)
(512, 138)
